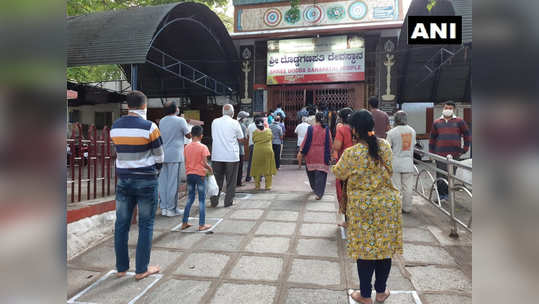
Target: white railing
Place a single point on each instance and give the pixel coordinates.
(454, 184)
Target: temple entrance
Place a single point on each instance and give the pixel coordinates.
(334, 96)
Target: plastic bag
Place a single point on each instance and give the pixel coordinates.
(213, 188)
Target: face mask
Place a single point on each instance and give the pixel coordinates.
(140, 112)
(447, 113)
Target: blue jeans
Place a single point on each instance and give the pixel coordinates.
(195, 182)
(131, 192)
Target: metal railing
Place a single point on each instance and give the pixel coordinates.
(90, 164)
(454, 185)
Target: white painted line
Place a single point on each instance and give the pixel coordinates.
(244, 196)
(217, 221)
(343, 233)
(414, 294)
(73, 300)
(158, 276)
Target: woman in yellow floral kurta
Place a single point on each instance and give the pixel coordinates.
(374, 231)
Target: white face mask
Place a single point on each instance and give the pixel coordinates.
(140, 112)
(447, 113)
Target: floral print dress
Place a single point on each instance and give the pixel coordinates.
(374, 205)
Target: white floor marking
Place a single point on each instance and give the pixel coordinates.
(73, 300)
(244, 196)
(414, 294)
(217, 221)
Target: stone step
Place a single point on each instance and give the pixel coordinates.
(288, 161)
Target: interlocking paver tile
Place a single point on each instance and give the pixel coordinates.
(189, 291)
(315, 272)
(244, 294)
(268, 244)
(317, 247)
(320, 230)
(257, 268)
(203, 265)
(282, 215)
(276, 228)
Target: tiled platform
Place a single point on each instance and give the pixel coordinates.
(277, 247)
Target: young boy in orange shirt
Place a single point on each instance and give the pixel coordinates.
(196, 164)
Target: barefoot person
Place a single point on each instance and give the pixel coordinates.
(263, 159)
(139, 158)
(374, 231)
(196, 164)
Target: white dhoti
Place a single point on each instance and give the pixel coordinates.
(169, 182)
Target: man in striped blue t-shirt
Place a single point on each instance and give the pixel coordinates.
(139, 158)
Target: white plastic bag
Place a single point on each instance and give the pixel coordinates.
(213, 188)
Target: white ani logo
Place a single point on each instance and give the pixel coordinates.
(436, 31)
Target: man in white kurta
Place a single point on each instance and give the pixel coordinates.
(402, 140)
(226, 134)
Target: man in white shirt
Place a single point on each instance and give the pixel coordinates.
(226, 136)
(402, 140)
(301, 131)
(250, 129)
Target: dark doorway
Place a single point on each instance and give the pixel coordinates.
(309, 97)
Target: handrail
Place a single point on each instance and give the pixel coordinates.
(450, 181)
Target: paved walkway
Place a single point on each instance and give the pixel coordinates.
(280, 246)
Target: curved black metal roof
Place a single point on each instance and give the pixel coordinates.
(436, 73)
(188, 32)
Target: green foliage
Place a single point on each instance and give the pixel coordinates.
(113, 72)
(94, 73)
(431, 4)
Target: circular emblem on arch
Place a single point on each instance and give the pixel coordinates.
(357, 10)
(336, 12)
(272, 17)
(313, 14)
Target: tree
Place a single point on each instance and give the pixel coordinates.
(98, 73)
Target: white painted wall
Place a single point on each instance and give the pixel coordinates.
(87, 112)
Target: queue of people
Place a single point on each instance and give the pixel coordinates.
(373, 174)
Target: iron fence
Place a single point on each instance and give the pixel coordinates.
(90, 164)
(455, 185)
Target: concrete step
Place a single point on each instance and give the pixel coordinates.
(288, 161)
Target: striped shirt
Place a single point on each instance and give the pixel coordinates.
(139, 147)
(445, 137)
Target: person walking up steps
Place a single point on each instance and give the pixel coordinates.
(196, 166)
(277, 140)
(301, 131)
(374, 230)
